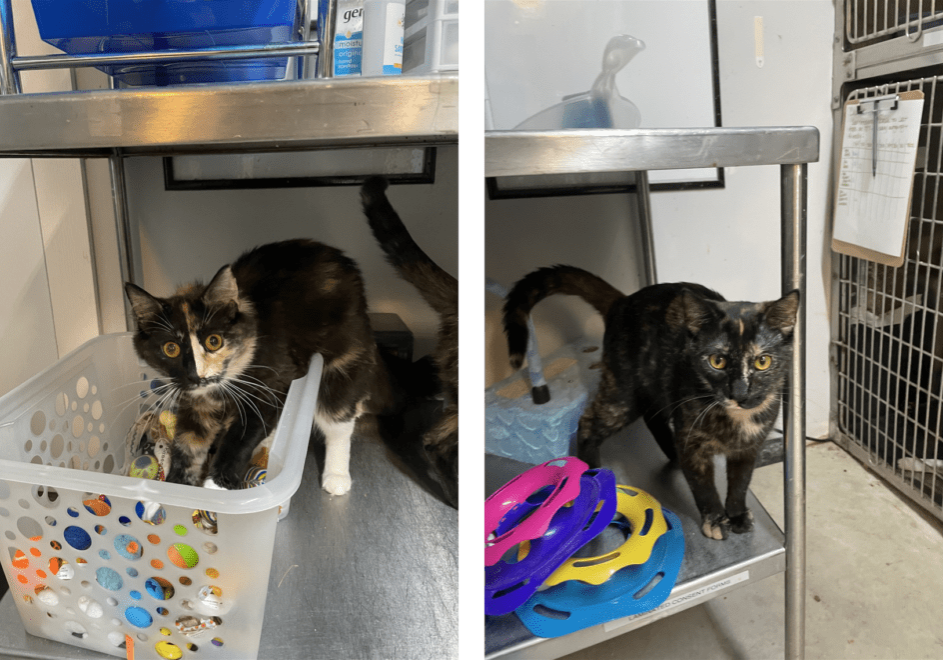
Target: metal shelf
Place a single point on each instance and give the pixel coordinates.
(709, 568)
(252, 117)
(520, 153)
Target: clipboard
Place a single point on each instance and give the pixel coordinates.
(874, 186)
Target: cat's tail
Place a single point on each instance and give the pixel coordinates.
(436, 286)
(545, 282)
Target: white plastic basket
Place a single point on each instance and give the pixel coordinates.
(62, 443)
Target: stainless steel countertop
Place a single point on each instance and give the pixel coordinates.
(219, 118)
(371, 575)
(517, 153)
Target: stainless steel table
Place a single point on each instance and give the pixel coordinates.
(521, 153)
(371, 575)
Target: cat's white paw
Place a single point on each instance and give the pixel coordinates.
(336, 484)
(714, 528)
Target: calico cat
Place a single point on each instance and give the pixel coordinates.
(705, 374)
(231, 348)
(440, 291)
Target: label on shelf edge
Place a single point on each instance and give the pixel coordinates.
(681, 599)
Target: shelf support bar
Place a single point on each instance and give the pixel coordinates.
(327, 33)
(220, 53)
(305, 7)
(643, 197)
(794, 210)
(9, 77)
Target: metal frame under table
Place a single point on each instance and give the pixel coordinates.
(520, 153)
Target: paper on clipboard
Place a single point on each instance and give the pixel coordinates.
(872, 207)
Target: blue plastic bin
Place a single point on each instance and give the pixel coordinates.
(518, 428)
(121, 26)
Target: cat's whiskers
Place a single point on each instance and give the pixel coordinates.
(702, 415)
(251, 399)
(265, 389)
(674, 406)
(262, 366)
(237, 395)
(161, 322)
(239, 408)
(167, 400)
(245, 374)
(171, 395)
(124, 405)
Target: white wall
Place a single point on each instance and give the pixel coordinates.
(727, 239)
(59, 193)
(186, 235)
(47, 301)
(27, 331)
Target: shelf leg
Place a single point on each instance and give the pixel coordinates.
(326, 49)
(123, 227)
(794, 210)
(308, 13)
(9, 77)
(643, 196)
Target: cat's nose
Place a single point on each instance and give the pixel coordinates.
(739, 391)
(193, 378)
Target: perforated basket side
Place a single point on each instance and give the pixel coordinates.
(85, 569)
(88, 560)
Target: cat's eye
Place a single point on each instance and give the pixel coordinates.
(717, 361)
(213, 342)
(763, 362)
(171, 349)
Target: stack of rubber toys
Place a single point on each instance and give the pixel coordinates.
(538, 520)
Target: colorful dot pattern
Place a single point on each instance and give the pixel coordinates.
(35, 571)
(77, 556)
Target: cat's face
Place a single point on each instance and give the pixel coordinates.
(742, 351)
(199, 338)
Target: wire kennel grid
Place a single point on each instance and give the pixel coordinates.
(888, 332)
(870, 21)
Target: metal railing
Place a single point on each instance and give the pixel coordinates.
(11, 63)
(869, 20)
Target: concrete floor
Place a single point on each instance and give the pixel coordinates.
(874, 581)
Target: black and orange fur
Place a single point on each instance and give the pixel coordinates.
(274, 308)
(705, 374)
(440, 291)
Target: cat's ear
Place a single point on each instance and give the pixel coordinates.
(223, 289)
(781, 314)
(144, 305)
(691, 311)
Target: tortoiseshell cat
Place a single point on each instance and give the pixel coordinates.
(440, 290)
(705, 374)
(231, 348)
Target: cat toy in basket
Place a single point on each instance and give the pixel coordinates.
(534, 424)
(149, 442)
